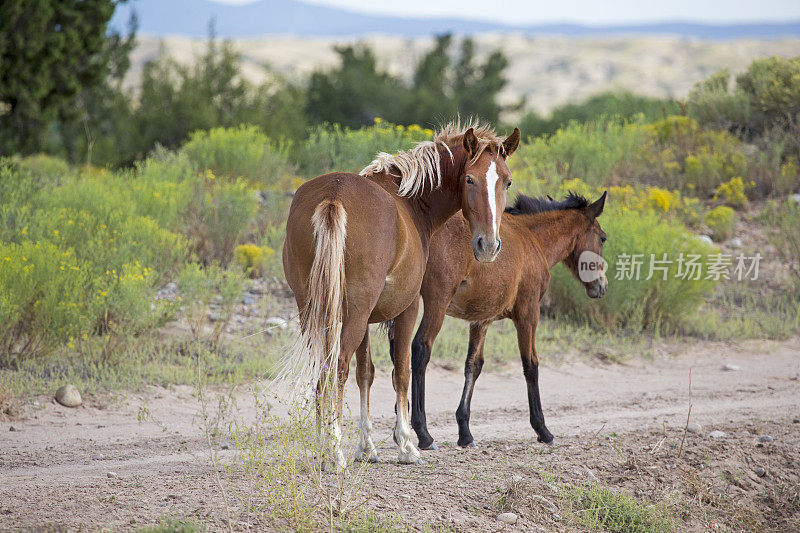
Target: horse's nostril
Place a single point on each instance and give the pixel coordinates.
(480, 243)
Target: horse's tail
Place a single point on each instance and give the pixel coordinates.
(315, 357)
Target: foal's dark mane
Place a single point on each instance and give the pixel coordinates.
(531, 205)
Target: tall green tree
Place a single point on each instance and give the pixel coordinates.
(50, 50)
(445, 86)
(355, 92)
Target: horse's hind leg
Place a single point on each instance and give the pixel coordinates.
(429, 328)
(365, 374)
(403, 329)
(526, 337)
(472, 369)
(353, 332)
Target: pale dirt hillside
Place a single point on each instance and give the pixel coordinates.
(547, 70)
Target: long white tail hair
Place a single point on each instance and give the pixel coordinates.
(314, 357)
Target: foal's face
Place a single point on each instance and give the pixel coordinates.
(586, 259)
(484, 185)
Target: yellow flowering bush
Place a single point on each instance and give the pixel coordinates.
(720, 221)
(660, 199)
(252, 258)
(733, 192)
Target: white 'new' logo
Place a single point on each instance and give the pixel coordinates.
(591, 266)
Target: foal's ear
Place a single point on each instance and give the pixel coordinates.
(470, 142)
(596, 209)
(511, 143)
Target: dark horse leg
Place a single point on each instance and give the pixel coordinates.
(526, 337)
(472, 369)
(421, 348)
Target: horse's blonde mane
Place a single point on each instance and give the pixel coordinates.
(421, 165)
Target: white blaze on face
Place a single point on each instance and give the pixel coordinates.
(491, 195)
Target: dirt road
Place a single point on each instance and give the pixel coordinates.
(97, 466)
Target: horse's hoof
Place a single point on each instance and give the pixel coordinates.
(409, 459)
(545, 438)
(431, 446)
(371, 457)
(470, 444)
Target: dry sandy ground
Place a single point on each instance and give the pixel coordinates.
(616, 424)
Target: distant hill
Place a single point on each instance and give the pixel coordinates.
(291, 17)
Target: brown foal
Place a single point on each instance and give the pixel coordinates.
(355, 252)
(537, 234)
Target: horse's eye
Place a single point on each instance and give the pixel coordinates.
(508, 184)
(470, 180)
(603, 239)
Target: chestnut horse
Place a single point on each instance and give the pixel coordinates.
(355, 253)
(537, 234)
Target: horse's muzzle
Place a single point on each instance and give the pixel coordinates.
(485, 250)
(597, 288)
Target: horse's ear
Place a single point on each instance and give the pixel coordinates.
(470, 142)
(511, 143)
(596, 209)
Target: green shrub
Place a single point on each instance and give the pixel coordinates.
(588, 151)
(622, 106)
(765, 102)
(681, 155)
(241, 152)
(46, 298)
(637, 303)
(785, 235)
(720, 221)
(333, 148)
(218, 217)
(42, 168)
(712, 104)
(605, 509)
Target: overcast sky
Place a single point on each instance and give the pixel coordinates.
(581, 11)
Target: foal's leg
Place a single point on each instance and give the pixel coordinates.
(472, 369)
(429, 328)
(403, 329)
(365, 374)
(526, 337)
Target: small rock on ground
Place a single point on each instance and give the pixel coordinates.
(112, 475)
(717, 434)
(732, 368)
(765, 438)
(736, 242)
(68, 396)
(508, 518)
(760, 471)
(796, 420)
(694, 427)
(224, 445)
